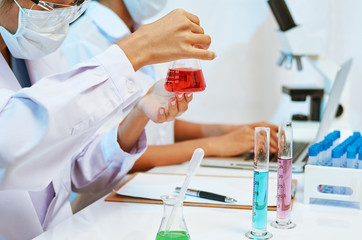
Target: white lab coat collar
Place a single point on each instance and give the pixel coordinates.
(102, 16)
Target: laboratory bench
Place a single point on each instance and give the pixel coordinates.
(135, 221)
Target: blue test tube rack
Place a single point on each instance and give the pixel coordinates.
(334, 170)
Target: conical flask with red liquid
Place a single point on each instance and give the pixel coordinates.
(185, 76)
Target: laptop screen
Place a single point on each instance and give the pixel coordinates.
(300, 154)
(333, 100)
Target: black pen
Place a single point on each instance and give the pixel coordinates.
(207, 195)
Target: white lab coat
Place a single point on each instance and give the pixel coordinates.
(44, 127)
(90, 35)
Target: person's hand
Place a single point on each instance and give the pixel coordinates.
(229, 128)
(273, 134)
(234, 143)
(160, 106)
(177, 35)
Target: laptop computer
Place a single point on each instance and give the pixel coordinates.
(300, 149)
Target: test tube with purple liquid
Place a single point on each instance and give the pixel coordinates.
(284, 189)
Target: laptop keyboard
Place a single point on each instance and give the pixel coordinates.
(298, 148)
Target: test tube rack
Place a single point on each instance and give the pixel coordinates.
(332, 176)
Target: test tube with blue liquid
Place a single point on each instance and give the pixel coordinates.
(260, 188)
(284, 188)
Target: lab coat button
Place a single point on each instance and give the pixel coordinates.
(130, 86)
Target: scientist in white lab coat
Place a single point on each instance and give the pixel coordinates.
(44, 126)
(125, 16)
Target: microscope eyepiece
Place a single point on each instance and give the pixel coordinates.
(282, 14)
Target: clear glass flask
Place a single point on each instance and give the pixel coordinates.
(260, 188)
(284, 188)
(173, 225)
(185, 76)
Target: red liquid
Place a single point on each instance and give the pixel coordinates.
(185, 80)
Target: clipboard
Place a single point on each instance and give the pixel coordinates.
(114, 197)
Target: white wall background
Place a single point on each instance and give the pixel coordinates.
(244, 82)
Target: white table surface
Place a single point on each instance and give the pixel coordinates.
(133, 221)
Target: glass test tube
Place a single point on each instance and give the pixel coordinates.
(260, 188)
(284, 188)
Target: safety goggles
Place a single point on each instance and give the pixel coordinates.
(56, 13)
(50, 6)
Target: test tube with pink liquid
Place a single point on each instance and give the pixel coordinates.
(284, 189)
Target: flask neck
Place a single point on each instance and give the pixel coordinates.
(173, 219)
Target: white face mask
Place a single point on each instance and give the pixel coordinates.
(39, 32)
(143, 9)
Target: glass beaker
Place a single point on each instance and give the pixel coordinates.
(173, 225)
(284, 196)
(260, 185)
(185, 76)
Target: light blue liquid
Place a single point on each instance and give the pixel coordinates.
(260, 199)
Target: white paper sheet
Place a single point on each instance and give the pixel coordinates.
(153, 186)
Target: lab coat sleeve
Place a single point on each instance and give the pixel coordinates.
(44, 126)
(103, 163)
(78, 51)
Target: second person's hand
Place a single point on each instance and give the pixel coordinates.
(224, 129)
(273, 134)
(233, 143)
